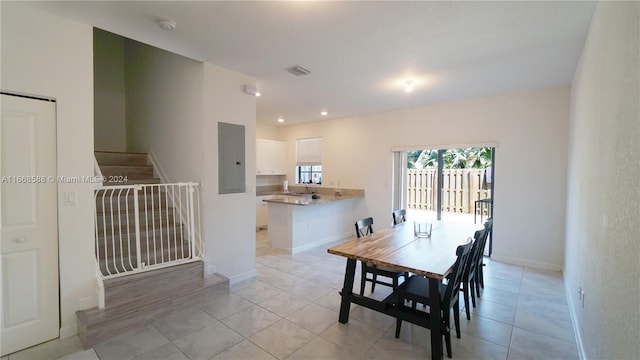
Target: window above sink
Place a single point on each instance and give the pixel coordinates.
(309, 161)
(309, 174)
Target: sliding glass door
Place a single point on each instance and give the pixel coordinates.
(453, 185)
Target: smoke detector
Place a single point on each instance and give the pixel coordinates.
(298, 70)
(167, 24)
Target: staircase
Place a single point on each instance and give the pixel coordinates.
(135, 296)
(162, 235)
(120, 168)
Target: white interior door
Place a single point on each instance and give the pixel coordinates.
(29, 245)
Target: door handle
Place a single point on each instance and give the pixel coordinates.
(21, 239)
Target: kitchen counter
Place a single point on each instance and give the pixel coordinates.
(298, 222)
(307, 199)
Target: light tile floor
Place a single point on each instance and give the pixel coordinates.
(290, 311)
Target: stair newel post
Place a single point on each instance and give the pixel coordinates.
(136, 212)
(192, 242)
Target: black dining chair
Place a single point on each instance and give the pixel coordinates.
(365, 227)
(470, 275)
(416, 290)
(488, 228)
(399, 216)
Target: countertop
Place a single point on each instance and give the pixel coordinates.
(306, 199)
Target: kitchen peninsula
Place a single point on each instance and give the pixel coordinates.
(298, 222)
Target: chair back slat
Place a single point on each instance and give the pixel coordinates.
(476, 254)
(364, 227)
(455, 278)
(399, 216)
(488, 226)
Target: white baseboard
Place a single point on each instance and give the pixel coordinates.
(574, 322)
(526, 263)
(210, 269)
(299, 249)
(100, 292)
(241, 277)
(88, 302)
(67, 331)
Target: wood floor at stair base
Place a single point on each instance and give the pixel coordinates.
(90, 335)
(96, 325)
(119, 290)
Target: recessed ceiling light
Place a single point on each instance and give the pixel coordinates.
(280, 120)
(324, 113)
(408, 86)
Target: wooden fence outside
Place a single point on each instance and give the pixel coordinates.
(461, 188)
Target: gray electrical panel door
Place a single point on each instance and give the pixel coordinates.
(231, 168)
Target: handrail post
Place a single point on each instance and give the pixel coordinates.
(136, 212)
(192, 242)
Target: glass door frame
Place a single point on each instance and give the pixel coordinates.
(399, 198)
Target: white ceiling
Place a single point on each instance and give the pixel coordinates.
(359, 53)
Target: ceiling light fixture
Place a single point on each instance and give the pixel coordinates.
(251, 90)
(324, 113)
(167, 24)
(408, 86)
(280, 120)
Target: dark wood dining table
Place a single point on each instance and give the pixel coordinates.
(397, 248)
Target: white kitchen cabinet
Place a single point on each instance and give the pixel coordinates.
(271, 157)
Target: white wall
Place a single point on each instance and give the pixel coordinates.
(228, 220)
(110, 132)
(174, 105)
(164, 109)
(603, 212)
(530, 172)
(270, 132)
(50, 56)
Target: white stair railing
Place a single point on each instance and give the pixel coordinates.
(146, 227)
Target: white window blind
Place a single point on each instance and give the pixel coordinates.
(309, 151)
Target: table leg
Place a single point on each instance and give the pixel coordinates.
(436, 320)
(347, 290)
(475, 211)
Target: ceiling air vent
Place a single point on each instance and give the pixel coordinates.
(298, 70)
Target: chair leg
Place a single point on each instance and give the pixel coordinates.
(478, 284)
(473, 289)
(465, 293)
(373, 283)
(447, 341)
(362, 279)
(456, 318)
(398, 324)
(480, 272)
